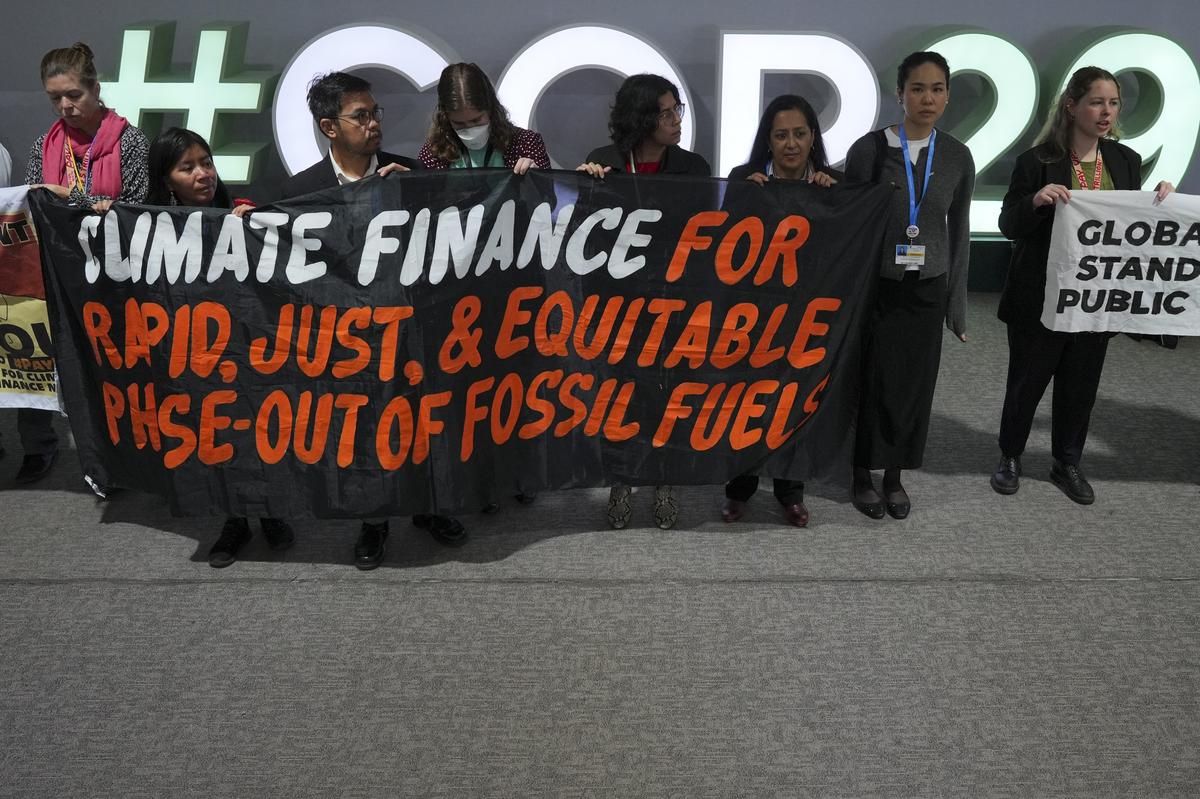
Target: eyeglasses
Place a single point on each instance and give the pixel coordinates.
(678, 111)
(362, 117)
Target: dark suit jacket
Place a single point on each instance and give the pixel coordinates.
(746, 170)
(321, 175)
(676, 161)
(1030, 227)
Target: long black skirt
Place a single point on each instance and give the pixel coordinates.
(902, 347)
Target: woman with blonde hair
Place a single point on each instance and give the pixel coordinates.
(1076, 151)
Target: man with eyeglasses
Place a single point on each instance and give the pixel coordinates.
(346, 112)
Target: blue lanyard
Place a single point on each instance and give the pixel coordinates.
(914, 205)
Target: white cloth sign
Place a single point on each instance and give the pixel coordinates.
(1120, 262)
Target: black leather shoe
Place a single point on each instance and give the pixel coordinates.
(898, 509)
(796, 514)
(446, 530)
(734, 510)
(371, 545)
(278, 533)
(234, 536)
(871, 508)
(1072, 482)
(1007, 477)
(35, 467)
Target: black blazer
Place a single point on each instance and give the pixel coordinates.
(746, 170)
(321, 175)
(1030, 227)
(676, 161)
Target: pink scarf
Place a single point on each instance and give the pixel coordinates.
(104, 166)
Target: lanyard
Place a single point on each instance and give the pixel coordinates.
(1082, 178)
(469, 164)
(914, 205)
(80, 177)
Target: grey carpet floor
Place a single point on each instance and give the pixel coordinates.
(987, 646)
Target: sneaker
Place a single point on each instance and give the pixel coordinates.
(234, 536)
(278, 533)
(1072, 482)
(618, 507)
(1007, 477)
(666, 509)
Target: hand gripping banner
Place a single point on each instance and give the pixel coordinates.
(434, 341)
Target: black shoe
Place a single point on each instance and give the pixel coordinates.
(234, 536)
(866, 499)
(446, 530)
(1072, 482)
(278, 533)
(371, 545)
(526, 497)
(35, 467)
(490, 508)
(1007, 477)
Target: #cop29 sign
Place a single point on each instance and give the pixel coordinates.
(1163, 129)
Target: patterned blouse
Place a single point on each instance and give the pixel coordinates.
(524, 144)
(135, 174)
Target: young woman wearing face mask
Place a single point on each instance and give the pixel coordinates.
(90, 157)
(645, 126)
(182, 173)
(787, 147)
(1076, 151)
(923, 279)
(471, 129)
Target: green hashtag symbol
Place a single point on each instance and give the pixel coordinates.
(147, 85)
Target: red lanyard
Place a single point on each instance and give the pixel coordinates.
(79, 177)
(1082, 178)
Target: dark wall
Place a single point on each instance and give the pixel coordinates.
(572, 114)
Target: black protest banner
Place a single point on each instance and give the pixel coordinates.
(434, 341)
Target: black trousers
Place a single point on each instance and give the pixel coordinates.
(37, 431)
(902, 347)
(1035, 356)
(742, 487)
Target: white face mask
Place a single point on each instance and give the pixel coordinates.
(475, 138)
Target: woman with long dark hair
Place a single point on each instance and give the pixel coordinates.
(787, 147)
(923, 279)
(471, 129)
(182, 173)
(645, 125)
(1076, 151)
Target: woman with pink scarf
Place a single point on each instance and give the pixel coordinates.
(90, 157)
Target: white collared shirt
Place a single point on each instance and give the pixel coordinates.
(343, 178)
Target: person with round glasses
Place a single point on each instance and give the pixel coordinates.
(346, 113)
(645, 126)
